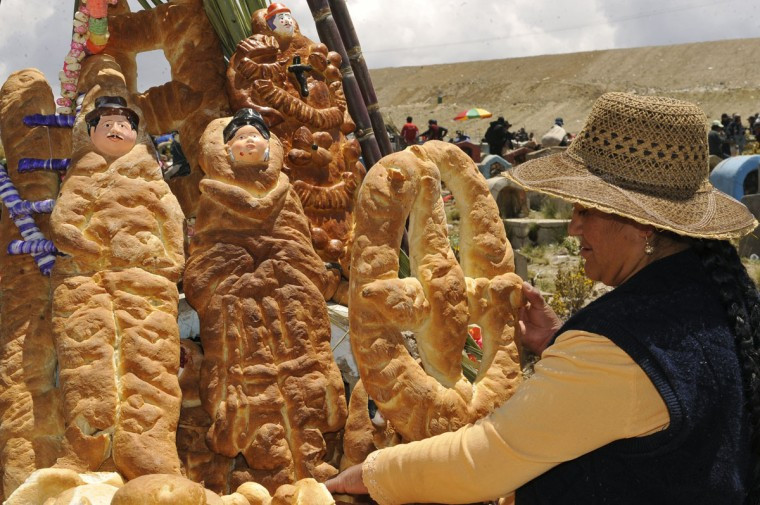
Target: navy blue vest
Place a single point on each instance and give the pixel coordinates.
(669, 319)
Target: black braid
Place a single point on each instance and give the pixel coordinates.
(742, 302)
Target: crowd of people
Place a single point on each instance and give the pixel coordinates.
(728, 135)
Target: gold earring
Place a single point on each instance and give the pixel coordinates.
(648, 249)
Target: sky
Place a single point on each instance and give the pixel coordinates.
(394, 33)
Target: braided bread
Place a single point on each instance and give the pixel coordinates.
(440, 301)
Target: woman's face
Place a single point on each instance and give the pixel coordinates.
(248, 145)
(612, 246)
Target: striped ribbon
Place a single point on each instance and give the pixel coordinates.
(30, 164)
(31, 247)
(25, 223)
(59, 120)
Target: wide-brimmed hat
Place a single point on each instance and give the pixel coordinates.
(644, 158)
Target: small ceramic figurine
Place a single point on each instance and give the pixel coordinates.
(112, 126)
(280, 20)
(247, 138)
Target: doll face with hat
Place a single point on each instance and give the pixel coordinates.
(280, 20)
(113, 136)
(248, 145)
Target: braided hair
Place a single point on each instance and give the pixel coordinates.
(741, 299)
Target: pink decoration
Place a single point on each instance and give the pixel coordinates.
(64, 102)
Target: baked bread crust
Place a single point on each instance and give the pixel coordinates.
(31, 422)
(268, 380)
(323, 165)
(195, 95)
(442, 298)
(115, 300)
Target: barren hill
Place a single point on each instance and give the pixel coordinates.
(721, 76)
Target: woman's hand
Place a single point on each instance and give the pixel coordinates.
(349, 481)
(538, 322)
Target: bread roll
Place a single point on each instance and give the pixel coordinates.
(441, 298)
(115, 300)
(268, 380)
(44, 484)
(30, 415)
(87, 494)
(160, 489)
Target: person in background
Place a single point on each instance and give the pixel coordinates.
(735, 133)
(651, 393)
(497, 136)
(715, 140)
(434, 132)
(409, 132)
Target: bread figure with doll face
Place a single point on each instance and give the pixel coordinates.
(268, 381)
(119, 230)
(296, 86)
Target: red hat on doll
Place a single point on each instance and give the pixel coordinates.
(275, 9)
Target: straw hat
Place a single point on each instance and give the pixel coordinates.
(644, 158)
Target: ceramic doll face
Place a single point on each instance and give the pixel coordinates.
(283, 23)
(113, 136)
(247, 145)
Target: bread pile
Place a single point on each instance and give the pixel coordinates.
(61, 486)
(31, 425)
(439, 301)
(115, 300)
(322, 164)
(195, 95)
(268, 380)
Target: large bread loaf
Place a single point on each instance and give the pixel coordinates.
(115, 300)
(31, 426)
(268, 380)
(441, 298)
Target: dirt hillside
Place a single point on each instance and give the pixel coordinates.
(530, 92)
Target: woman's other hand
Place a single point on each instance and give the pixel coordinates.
(538, 322)
(349, 481)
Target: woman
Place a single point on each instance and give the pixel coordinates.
(651, 393)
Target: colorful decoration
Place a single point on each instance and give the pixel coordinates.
(90, 37)
(475, 113)
(24, 222)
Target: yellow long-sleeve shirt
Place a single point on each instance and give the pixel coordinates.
(586, 392)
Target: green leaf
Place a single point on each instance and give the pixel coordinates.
(231, 20)
(404, 269)
(145, 4)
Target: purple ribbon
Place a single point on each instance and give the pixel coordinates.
(39, 246)
(29, 164)
(60, 121)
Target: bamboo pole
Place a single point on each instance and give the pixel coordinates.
(347, 31)
(329, 35)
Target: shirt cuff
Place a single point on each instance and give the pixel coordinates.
(368, 477)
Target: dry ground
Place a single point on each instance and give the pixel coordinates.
(720, 76)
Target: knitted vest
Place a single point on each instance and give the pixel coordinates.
(669, 319)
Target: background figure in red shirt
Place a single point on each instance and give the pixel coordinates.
(434, 132)
(409, 132)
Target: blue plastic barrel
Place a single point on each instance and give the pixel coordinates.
(730, 174)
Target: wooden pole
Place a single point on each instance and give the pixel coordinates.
(329, 35)
(347, 31)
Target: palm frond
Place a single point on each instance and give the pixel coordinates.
(145, 4)
(404, 268)
(231, 20)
